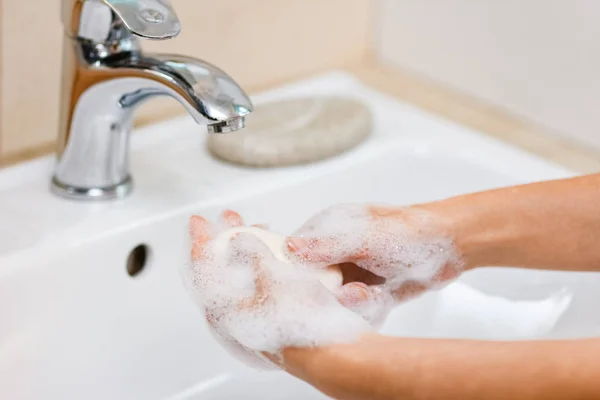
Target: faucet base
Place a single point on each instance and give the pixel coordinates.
(118, 191)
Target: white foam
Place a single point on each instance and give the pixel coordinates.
(256, 302)
(331, 276)
(399, 245)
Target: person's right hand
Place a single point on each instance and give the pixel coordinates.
(407, 248)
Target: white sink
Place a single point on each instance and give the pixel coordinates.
(74, 324)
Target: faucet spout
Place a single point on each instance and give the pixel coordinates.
(106, 76)
(100, 95)
(209, 95)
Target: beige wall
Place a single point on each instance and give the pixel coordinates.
(259, 42)
(539, 59)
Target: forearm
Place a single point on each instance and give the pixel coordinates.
(546, 225)
(379, 367)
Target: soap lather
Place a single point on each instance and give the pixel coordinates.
(330, 277)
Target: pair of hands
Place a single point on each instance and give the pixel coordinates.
(386, 255)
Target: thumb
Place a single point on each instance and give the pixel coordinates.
(373, 303)
(247, 248)
(248, 251)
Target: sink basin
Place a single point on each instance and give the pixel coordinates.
(74, 324)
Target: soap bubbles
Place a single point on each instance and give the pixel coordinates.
(256, 303)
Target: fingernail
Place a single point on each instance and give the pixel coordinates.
(353, 293)
(196, 219)
(227, 213)
(295, 244)
(361, 289)
(231, 218)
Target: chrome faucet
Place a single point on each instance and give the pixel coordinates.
(106, 75)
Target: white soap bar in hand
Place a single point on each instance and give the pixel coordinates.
(331, 277)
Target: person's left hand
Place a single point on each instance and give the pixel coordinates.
(256, 304)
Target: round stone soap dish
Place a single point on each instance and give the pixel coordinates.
(295, 131)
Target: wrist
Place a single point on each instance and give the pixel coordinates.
(365, 369)
(314, 365)
(465, 222)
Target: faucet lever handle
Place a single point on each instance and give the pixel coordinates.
(152, 19)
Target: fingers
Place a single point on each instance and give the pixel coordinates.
(261, 226)
(353, 293)
(230, 219)
(335, 235)
(200, 233)
(373, 303)
(319, 251)
(200, 228)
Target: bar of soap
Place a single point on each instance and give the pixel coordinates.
(331, 277)
(295, 131)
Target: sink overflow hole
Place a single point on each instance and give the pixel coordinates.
(137, 259)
